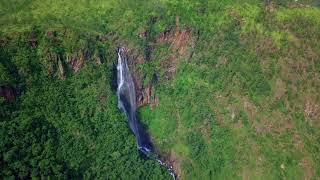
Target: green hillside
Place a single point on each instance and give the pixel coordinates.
(226, 89)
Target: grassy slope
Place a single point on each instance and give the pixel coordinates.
(238, 108)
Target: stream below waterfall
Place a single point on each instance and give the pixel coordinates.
(127, 104)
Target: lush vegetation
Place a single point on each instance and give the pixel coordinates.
(64, 124)
(237, 89)
(246, 104)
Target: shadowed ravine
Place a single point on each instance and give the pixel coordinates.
(127, 103)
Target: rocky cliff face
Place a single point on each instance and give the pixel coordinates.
(181, 45)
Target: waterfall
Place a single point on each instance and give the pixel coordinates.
(127, 104)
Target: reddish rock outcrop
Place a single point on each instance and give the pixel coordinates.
(178, 40)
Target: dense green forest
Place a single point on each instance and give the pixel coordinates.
(63, 123)
(226, 89)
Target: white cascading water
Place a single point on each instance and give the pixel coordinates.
(127, 103)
